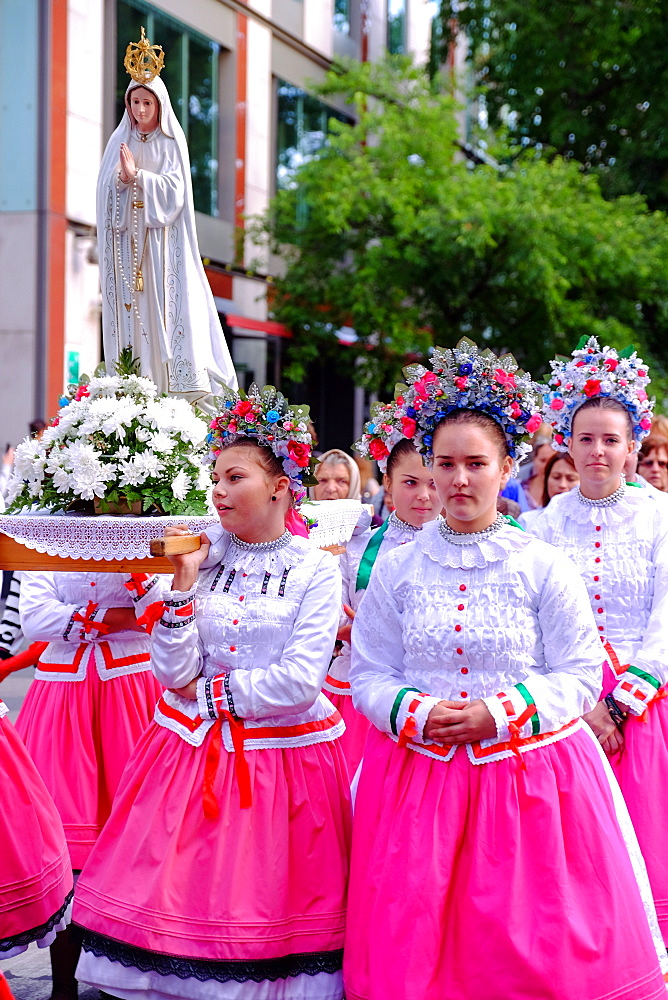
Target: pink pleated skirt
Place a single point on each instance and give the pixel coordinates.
(357, 730)
(35, 873)
(180, 904)
(80, 734)
(642, 772)
(489, 882)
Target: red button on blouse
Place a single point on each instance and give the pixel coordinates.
(458, 628)
(465, 670)
(458, 650)
(596, 579)
(241, 598)
(233, 649)
(598, 527)
(601, 629)
(462, 586)
(463, 694)
(597, 559)
(600, 610)
(236, 621)
(597, 597)
(597, 545)
(460, 607)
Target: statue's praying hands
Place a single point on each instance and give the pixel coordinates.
(128, 166)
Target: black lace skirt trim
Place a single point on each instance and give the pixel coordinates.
(268, 969)
(37, 933)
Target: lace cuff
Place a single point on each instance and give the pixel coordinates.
(213, 694)
(635, 689)
(409, 714)
(514, 713)
(179, 609)
(421, 715)
(140, 584)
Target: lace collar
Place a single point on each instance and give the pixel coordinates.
(627, 506)
(494, 547)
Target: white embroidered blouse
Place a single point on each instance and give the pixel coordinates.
(259, 626)
(505, 619)
(66, 610)
(395, 532)
(621, 550)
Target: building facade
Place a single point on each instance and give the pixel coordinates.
(238, 74)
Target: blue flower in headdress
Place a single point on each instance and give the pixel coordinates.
(273, 416)
(410, 412)
(466, 368)
(427, 439)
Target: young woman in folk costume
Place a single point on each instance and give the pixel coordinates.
(617, 534)
(415, 501)
(488, 857)
(222, 871)
(92, 698)
(35, 869)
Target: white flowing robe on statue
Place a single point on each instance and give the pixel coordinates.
(172, 324)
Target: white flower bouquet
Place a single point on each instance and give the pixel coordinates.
(115, 444)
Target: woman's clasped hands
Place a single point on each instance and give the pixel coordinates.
(460, 722)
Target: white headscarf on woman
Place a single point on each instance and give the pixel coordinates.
(337, 457)
(172, 324)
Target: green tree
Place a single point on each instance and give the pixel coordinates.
(588, 78)
(402, 239)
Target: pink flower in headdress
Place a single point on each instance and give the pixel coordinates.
(533, 423)
(420, 387)
(557, 404)
(504, 378)
(646, 423)
(82, 392)
(299, 453)
(592, 387)
(461, 382)
(515, 409)
(242, 408)
(408, 427)
(610, 364)
(641, 394)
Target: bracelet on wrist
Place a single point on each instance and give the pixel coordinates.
(616, 713)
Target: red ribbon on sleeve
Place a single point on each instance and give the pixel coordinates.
(152, 614)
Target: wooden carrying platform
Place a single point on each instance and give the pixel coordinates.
(15, 556)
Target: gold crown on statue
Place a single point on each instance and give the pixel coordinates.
(144, 61)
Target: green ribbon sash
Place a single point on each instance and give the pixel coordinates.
(369, 557)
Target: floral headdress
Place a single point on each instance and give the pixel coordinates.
(593, 371)
(266, 416)
(462, 378)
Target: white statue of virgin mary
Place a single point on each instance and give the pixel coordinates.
(155, 296)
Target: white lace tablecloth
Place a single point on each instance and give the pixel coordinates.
(102, 537)
(336, 519)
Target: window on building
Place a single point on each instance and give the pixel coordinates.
(342, 16)
(396, 26)
(301, 130)
(191, 77)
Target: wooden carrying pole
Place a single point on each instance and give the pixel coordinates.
(177, 545)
